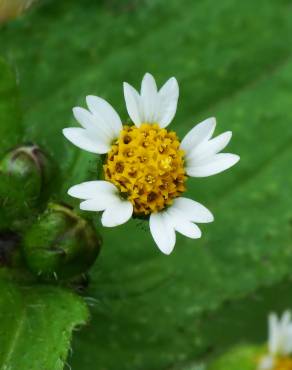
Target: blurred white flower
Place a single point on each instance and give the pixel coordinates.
(279, 343)
(146, 166)
(266, 363)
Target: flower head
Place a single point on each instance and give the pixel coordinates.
(279, 344)
(147, 166)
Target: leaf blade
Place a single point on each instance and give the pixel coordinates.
(37, 320)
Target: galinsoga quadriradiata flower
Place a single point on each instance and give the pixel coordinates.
(279, 356)
(146, 166)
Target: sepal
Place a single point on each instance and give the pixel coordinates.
(25, 173)
(61, 244)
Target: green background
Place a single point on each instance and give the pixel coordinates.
(233, 60)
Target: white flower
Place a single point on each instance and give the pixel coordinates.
(280, 334)
(267, 363)
(146, 165)
(279, 341)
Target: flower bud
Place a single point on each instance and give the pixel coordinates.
(24, 175)
(61, 244)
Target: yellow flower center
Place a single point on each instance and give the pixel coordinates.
(147, 166)
(283, 363)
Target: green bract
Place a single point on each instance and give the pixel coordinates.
(60, 244)
(24, 173)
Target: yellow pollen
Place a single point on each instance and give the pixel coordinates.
(147, 166)
(166, 163)
(283, 363)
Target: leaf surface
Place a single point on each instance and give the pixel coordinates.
(232, 61)
(36, 324)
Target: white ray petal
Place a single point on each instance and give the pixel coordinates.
(285, 331)
(84, 117)
(168, 98)
(273, 333)
(162, 232)
(198, 134)
(188, 229)
(209, 148)
(99, 203)
(280, 334)
(216, 164)
(148, 85)
(193, 210)
(266, 363)
(95, 126)
(133, 104)
(105, 113)
(182, 225)
(93, 189)
(287, 345)
(149, 99)
(117, 213)
(85, 140)
(285, 320)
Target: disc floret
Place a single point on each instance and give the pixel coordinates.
(283, 363)
(146, 164)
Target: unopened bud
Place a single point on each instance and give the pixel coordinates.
(61, 244)
(24, 174)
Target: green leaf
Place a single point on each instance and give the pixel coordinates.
(239, 329)
(232, 61)
(236, 333)
(108, 55)
(36, 324)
